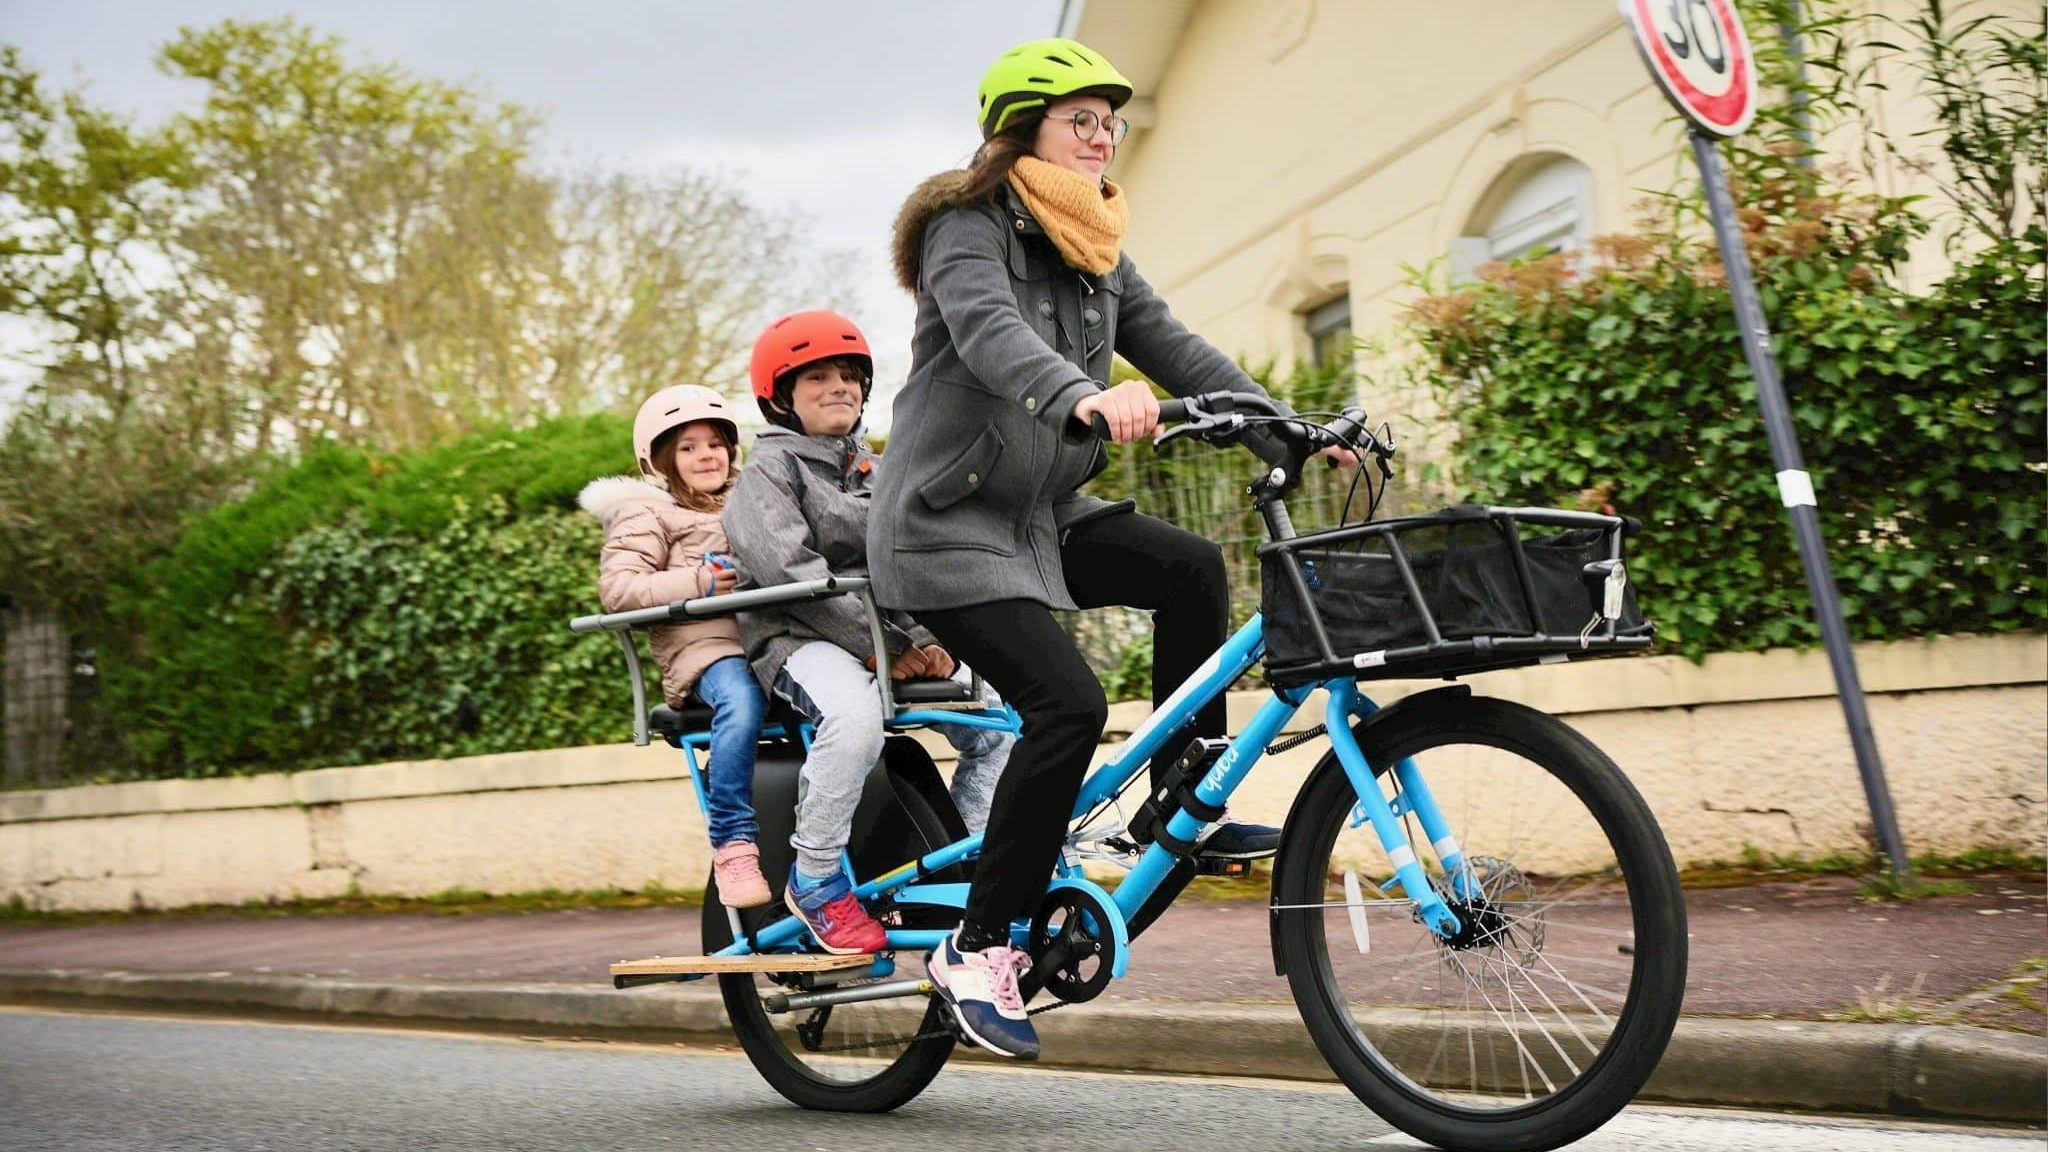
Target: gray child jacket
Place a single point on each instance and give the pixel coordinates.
(800, 512)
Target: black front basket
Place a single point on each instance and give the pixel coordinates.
(1468, 589)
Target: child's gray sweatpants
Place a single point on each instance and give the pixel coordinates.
(837, 692)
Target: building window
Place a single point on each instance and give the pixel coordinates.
(1548, 208)
(1329, 332)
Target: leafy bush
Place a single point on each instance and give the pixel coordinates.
(365, 605)
(450, 644)
(1920, 416)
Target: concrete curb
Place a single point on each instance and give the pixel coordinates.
(1898, 1069)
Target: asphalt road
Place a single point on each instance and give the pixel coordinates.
(81, 1082)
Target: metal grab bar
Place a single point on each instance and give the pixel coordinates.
(622, 624)
(712, 607)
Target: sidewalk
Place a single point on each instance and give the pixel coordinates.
(1800, 995)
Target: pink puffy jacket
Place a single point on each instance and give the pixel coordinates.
(654, 554)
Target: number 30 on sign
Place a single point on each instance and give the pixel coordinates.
(1700, 56)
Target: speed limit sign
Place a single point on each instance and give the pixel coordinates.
(1700, 56)
(1697, 51)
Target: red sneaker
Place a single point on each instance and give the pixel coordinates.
(834, 915)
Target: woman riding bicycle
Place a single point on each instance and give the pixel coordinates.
(1024, 295)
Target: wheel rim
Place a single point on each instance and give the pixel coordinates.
(1521, 1005)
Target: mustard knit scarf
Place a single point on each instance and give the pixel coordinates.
(1086, 222)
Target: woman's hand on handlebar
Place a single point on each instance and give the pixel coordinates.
(1339, 456)
(1130, 410)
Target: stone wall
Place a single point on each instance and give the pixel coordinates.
(1746, 750)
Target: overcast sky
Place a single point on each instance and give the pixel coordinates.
(836, 109)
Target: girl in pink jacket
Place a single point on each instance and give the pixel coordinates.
(663, 543)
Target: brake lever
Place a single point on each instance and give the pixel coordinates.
(1209, 427)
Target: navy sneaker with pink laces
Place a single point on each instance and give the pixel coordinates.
(981, 988)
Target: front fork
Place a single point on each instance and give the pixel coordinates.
(1412, 795)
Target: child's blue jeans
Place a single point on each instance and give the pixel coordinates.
(736, 709)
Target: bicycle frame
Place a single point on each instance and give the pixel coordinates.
(1242, 650)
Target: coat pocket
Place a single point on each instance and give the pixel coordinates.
(965, 474)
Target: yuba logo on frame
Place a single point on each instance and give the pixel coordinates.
(1700, 55)
(1221, 772)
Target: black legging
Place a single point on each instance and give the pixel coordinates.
(1019, 647)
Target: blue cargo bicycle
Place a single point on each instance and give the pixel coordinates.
(1475, 912)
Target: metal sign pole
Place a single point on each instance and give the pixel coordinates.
(1795, 487)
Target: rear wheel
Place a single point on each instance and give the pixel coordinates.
(1546, 1013)
(864, 1056)
(867, 1056)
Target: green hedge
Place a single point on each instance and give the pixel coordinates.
(357, 607)
(1920, 417)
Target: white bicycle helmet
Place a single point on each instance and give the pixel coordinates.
(671, 408)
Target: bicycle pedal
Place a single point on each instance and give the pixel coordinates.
(1222, 866)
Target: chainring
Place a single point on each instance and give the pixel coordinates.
(1073, 956)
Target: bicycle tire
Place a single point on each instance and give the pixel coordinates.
(1463, 1100)
(796, 1075)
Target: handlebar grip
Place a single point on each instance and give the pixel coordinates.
(1169, 410)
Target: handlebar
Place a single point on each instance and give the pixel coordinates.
(1224, 417)
(1175, 410)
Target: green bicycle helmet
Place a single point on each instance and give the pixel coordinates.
(1034, 73)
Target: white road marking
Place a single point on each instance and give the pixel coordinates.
(1671, 1131)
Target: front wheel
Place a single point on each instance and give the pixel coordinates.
(1546, 1013)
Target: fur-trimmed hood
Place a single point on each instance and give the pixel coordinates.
(606, 499)
(946, 190)
(655, 552)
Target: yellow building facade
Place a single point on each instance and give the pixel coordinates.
(1293, 160)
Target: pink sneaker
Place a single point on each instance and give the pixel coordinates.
(737, 867)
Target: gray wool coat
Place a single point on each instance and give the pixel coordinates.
(985, 463)
(800, 512)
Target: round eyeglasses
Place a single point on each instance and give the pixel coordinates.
(1086, 124)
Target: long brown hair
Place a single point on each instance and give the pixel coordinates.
(1000, 153)
(664, 457)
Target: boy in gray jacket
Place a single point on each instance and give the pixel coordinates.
(800, 512)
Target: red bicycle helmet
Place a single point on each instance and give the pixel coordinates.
(802, 338)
